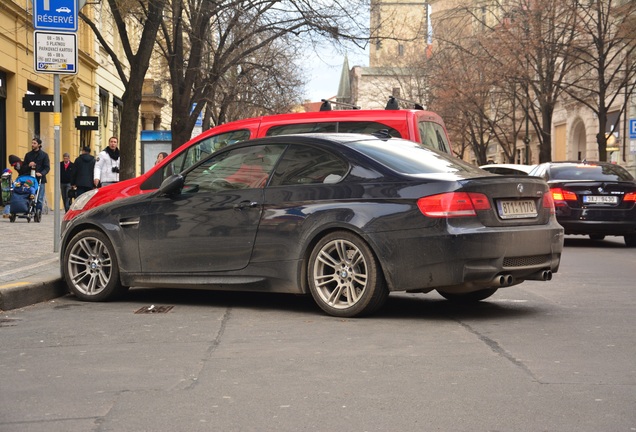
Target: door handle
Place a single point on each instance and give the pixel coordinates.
(245, 204)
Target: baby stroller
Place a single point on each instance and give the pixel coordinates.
(24, 198)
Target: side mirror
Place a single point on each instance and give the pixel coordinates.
(172, 185)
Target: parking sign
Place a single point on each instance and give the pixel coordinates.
(632, 128)
(57, 15)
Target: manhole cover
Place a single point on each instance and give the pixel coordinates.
(154, 309)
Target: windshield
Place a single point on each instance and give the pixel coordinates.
(604, 172)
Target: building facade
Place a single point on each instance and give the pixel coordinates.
(93, 93)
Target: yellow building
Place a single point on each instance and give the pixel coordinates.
(21, 117)
(91, 98)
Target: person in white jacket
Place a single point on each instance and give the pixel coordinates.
(107, 164)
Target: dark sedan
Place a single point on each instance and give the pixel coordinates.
(347, 218)
(592, 198)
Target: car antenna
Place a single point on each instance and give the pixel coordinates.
(326, 105)
(393, 104)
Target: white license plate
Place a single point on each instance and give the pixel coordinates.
(516, 209)
(600, 199)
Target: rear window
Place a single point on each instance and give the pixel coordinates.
(342, 127)
(408, 157)
(603, 172)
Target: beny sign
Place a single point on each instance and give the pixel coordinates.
(86, 123)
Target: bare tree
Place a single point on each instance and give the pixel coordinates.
(210, 44)
(606, 70)
(464, 79)
(131, 17)
(528, 43)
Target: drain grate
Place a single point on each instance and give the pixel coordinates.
(154, 309)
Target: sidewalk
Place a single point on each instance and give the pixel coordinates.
(29, 269)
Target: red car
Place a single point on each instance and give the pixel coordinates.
(420, 126)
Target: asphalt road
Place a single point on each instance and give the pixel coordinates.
(541, 356)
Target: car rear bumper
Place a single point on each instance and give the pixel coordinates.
(599, 227)
(466, 260)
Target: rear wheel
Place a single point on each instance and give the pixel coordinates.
(597, 236)
(91, 270)
(344, 276)
(12, 217)
(630, 240)
(38, 216)
(471, 297)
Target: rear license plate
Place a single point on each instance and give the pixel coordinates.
(600, 199)
(517, 209)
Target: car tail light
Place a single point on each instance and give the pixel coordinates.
(548, 202)
(560, 196)
(631, 196)
(453, 204)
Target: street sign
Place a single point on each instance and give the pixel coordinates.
(55, 52)
(57, 15)
(632, 128)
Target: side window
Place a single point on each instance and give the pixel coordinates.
(203, 149)
(243, 168)
(194, 154)
(307, 165)
(432, 135)
(366, 127)
(301, 128)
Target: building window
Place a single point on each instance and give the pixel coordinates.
(400, 50)
(117, 108)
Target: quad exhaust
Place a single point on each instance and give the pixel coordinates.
(543, 275)
(503, 280)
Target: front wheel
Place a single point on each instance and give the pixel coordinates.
(630, 240)
(344, 277)
(470, 297)
(90, 267)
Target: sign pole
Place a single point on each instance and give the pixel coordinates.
(57, 109)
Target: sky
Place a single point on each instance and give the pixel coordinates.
(323, 69)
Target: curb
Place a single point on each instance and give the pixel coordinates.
(36, 289)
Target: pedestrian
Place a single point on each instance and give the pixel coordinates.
(16, 164)
(82, 177)
(161, 156)
(37, 160)
(66, 172)
(107, 165)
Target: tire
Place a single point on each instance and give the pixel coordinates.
(630, 240)
(12, 217)
(471, 297)
(90, 269)
(38, 216)
(597, 236)
(344, 277)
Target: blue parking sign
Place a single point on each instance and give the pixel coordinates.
(59, 15)
(632, 128)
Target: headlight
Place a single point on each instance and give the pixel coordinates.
(83, 199)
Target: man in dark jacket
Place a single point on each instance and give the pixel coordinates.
(66, 172)
(38, 161)
(82, 177)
